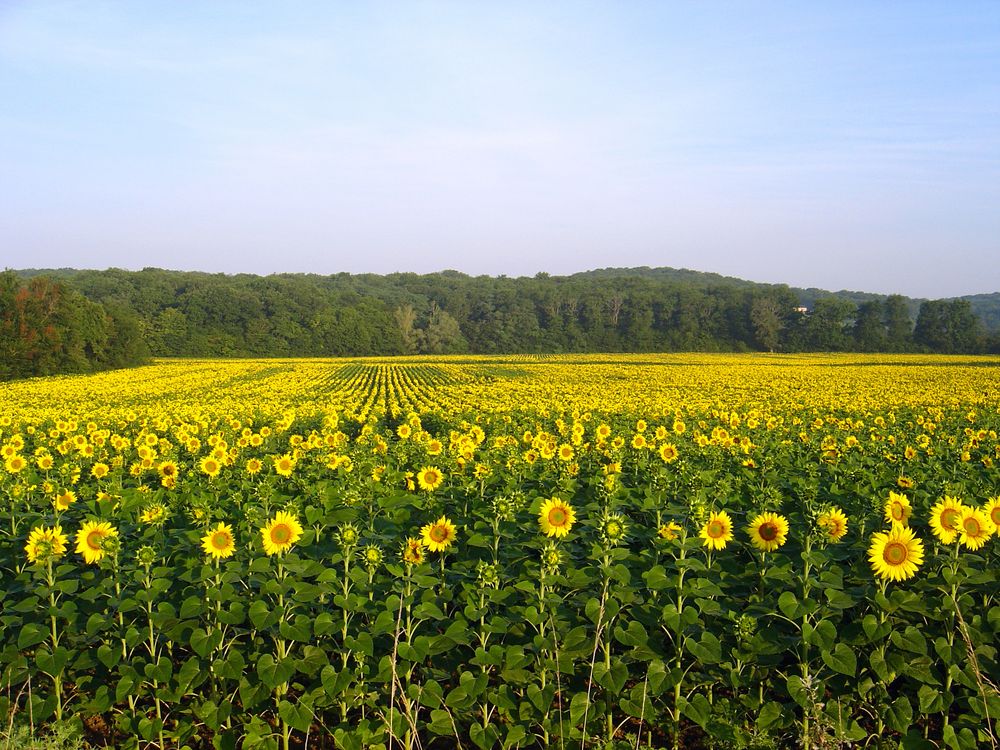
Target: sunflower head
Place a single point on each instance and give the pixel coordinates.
(717, 530)
(347, 536)
(219, 542)
(556, 517)
(439, 535)
(371, 555)
(413, 551)
(669, 531)
(946, 515)
(991, 509)
(833, 524)
(95, 539)
(46, 544)
(488, 575)
(613, 528)
(429, 478)
(552, 558)
(975, 528)
(280, 533)
(896, 555)
(897, 509)
(768, 531)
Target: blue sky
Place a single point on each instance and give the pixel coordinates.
(832, 144)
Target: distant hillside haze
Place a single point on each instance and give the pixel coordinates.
(181, 313)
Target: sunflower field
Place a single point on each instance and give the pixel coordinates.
(657, 551)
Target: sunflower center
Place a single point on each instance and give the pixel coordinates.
(220, 540)
(716, 529)
(895, 553)
(281, 533)
(949, 518)
(971, 526)
(768, 531)
(995, 515)
(557, 517)
(897, 512)
(431, 477)
(439, 533)
(94, 540)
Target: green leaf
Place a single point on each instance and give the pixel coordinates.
(204, 643)
(841, 659)
(295, 715)
(31, 635)
(928, 699)
(707, 650)
(788, 604)
(484, 737)
(273, 672)
(838, 599)
(613, 680)
(260, 614)
(910, 639)
(797, 691)
(441, 722)
(698, 709)
(108, 656)
(515, 736)
(656, 578)
(769, 713)
(577, 708)
(900, 714)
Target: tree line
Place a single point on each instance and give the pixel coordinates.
(47, 328)
(214, 315)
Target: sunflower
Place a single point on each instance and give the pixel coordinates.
(439, 535)
(668, 453)
(897, 509)
(15, 463)
(219, 542)
(90, 540)
(210, 466)
(896, 555)
(413, 551)
(372, 556)
(669, 531)
(613, 528)
(945, 518)
(429, 478)
(833, 523)
(167, 469)
(717, 530)
(99, 471)
(284, 465)
(280, 533)
(253, 466)
(991, 509)
(556, 517)
(768, 531)
(566, 452)
(153, 514)
(64, 500)
(905, 482)
(975, 528)
(45, 544)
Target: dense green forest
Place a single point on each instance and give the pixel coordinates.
(48, 328)
(609, 310)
